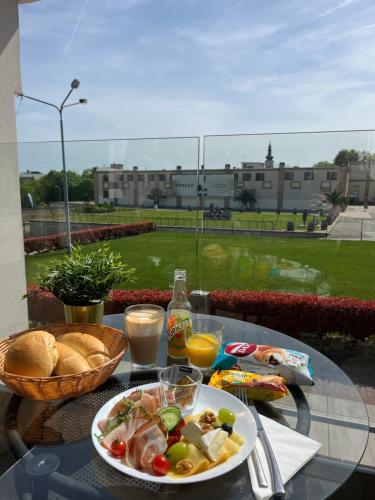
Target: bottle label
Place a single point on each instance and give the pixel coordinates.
(177, 327)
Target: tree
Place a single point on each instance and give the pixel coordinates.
(246, 197)
(323, 164)
(366, 156)
(156, 194)
(346, 156)
(335, 198)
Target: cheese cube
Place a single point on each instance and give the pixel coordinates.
(192, 432)
(212, 443)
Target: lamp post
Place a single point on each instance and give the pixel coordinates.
(74, 85)
(59, 190)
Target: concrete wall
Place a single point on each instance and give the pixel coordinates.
(13, 311)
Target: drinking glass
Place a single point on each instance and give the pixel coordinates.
(180, 386)
(204, 343)
(143, 327)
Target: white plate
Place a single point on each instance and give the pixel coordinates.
(209, 397)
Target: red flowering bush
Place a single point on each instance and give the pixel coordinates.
(293, 314)
(88, 235)
(289, 313)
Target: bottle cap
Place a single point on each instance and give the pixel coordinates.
(180, 274)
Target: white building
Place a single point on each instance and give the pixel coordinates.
(274, 188)
(32, 175)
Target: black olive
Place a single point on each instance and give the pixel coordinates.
(227, 428)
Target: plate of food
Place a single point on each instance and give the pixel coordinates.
(137, 434)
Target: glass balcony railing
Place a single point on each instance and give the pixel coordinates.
(246, 212)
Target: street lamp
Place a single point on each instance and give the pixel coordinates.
(59, 190)
(74, 85)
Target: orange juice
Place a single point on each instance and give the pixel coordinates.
(202, 349)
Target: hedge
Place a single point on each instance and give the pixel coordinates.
(88, 235)
(289, 313)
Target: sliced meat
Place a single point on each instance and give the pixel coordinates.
(147, 442)
(156, 393)
(124, 431)
(119, 407)
(102, 424)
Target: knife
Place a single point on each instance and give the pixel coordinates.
(277, 483)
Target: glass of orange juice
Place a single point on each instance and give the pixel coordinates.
(204, 342)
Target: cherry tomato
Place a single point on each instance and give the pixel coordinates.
(118, 448)
(160, 465)
(178, 429)
(173, 438)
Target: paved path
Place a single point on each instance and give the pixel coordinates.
(355, 223)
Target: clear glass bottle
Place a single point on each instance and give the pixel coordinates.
(179, 317)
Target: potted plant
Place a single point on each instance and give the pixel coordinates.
(82, 280)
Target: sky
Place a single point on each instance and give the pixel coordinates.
(161, 68)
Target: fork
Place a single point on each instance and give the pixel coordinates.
(277, 483)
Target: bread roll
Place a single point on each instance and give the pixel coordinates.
(91, 348)
(69, 361)
(32, 355)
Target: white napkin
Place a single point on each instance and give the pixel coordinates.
(292, 451)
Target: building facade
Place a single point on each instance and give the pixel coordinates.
(273, 188)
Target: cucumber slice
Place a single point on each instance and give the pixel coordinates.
(171, 416)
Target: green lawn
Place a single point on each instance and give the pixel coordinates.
(257, 263)
(244, 220)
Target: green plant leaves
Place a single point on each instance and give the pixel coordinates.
(84, 278)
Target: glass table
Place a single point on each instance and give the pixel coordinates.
(46, 450)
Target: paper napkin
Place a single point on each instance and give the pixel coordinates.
(292, 451)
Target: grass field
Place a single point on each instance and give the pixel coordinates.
(186, 218)
(323, 267)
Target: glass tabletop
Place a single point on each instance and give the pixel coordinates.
(46, 450)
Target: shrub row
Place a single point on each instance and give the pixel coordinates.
(88, 235)
(289, 313)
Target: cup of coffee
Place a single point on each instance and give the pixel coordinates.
(143, 327)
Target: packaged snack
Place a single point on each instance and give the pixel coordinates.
(258, 387)
(292, 365)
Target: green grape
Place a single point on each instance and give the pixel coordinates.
(177, 452)
(226, 416)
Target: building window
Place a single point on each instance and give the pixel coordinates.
(106, 194)
(246, 177)
(130, 177)
(162, 177)
(331, 176)
(235, 177)
(151, 177)
(120, 177)
(267, 185)
(308, 176)
(295, 185)
(105, 178)
(289, 176)
(325, 186)
(141, 177)
(259, 176)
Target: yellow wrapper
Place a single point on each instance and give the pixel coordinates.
(258, 387)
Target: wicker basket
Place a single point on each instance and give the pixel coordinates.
(66, 386)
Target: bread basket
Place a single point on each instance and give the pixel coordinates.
(67, 386)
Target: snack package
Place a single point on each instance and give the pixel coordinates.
(292, 365)
(259, 387)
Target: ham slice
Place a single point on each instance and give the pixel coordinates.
(124, 431)
(141, 434)
(147, 442)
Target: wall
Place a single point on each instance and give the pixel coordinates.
(13, 311)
